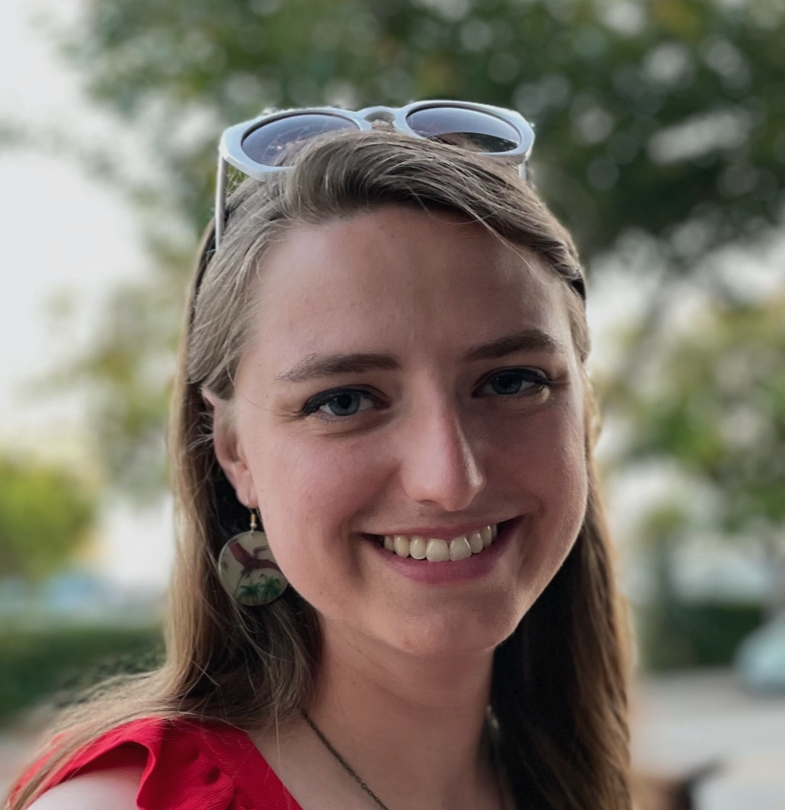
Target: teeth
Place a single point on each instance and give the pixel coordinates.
(475, 542)
(418, 548)
(460, 549)
(488, 535)
(436, 550)
(401, 545)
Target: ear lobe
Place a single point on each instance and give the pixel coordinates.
(228, 450)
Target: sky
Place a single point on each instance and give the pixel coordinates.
(64, 235)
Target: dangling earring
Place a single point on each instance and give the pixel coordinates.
(247, 568)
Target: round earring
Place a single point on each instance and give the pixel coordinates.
(247, 569)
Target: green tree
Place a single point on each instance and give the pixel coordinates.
(45, 516)
(663, 120)
(715, 404)
(649, 115)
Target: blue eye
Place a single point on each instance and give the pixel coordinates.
(512, 381)
(339, 403)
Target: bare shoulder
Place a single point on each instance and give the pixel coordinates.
(111, 789)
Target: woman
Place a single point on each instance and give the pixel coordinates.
(384, 359)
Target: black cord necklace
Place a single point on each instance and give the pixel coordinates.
(357, 778)
(344, 764)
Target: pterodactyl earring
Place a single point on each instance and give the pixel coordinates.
(247, 568)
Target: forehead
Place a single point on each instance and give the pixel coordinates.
(406, 276)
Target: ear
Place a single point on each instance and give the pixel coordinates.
(228, 450)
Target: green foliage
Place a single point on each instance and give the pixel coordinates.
(128, 373)
(679, 635)
(35, 666)
(648, 115)
(45, 514)
(717, 406)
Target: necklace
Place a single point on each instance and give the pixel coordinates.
(357, 778)
(342, 762)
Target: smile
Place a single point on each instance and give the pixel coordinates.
(460, 547)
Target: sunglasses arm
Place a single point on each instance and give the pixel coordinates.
(220, 200)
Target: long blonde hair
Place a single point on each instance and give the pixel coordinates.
(559, 682)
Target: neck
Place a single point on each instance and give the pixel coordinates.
(426, 715)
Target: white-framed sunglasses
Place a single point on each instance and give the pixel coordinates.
(268, 144)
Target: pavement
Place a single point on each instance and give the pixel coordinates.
(681, 724)
(705, 721)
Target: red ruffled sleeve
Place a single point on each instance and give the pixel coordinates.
(189, 766)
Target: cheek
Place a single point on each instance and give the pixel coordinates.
(570, 468)
(547, 449)
(555, 475)
(547, 462)
(310, 492)
(313, 477)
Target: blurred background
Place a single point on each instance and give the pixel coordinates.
(660, 143)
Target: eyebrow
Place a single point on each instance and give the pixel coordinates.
(315, 366)
(528, 340)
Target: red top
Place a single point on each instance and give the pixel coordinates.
(190, 766)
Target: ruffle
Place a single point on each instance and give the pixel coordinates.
(190, 766)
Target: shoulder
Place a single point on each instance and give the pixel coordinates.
(114, 788)
(160, 764)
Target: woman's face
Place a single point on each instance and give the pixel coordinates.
(410, 377)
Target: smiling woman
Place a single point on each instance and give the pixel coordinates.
(384, 361)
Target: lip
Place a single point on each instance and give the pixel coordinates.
(450, 572)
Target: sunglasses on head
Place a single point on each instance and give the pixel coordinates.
(270, 143)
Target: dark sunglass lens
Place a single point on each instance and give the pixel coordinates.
(276, 142)
(471, 129)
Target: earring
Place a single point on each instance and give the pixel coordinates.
(247, 569)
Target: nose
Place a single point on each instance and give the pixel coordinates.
(440, 463)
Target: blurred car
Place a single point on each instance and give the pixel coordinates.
(760, 658)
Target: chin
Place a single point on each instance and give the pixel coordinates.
(475, 633)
